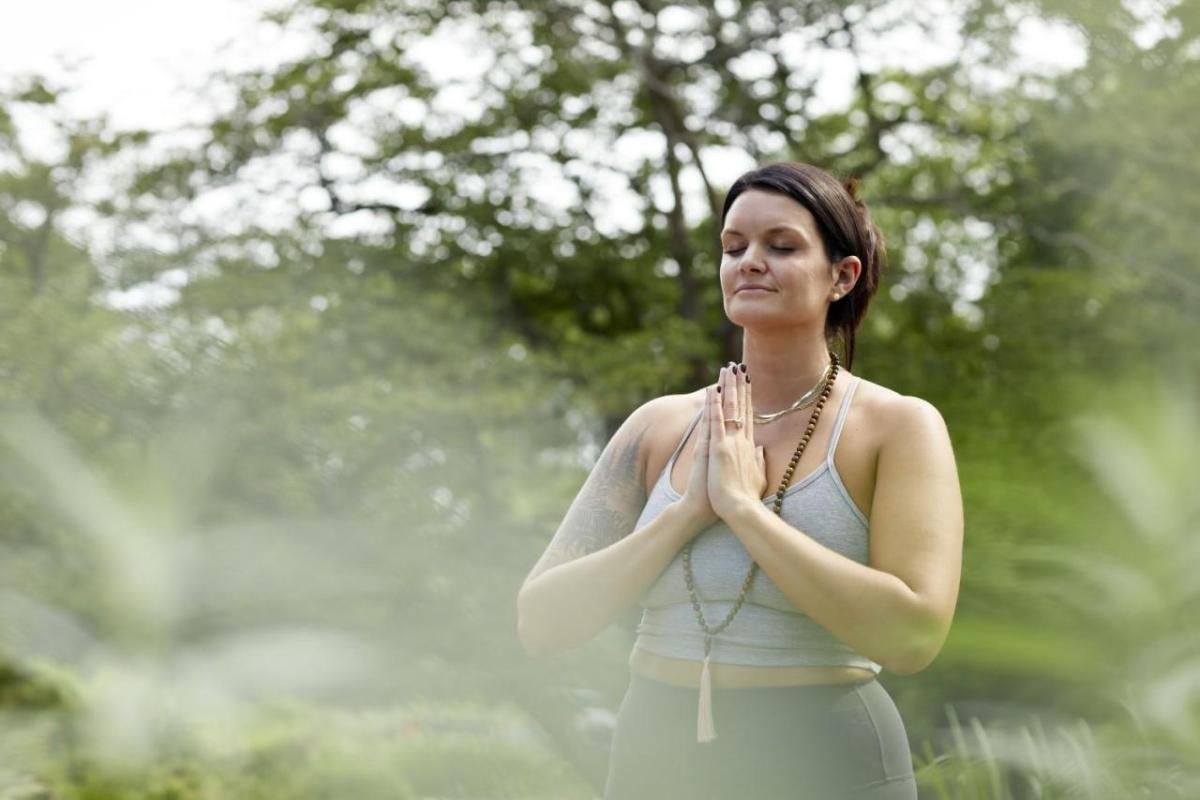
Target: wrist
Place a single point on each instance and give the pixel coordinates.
(743, 511)
(687, 520)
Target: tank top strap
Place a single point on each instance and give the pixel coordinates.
(686, 434)
(841, 418)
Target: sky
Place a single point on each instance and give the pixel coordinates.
(133, 56)
(135, 59)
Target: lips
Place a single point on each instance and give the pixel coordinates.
(753, 288)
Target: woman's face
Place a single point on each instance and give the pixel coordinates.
(771, 240)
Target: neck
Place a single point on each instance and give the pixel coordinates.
(783, 364)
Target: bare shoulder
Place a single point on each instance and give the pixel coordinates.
(671, 408)
(670, 411)
(899, 419)
(667, 418)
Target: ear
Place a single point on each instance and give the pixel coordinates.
(845, 276)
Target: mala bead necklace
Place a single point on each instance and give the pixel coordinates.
(705, 730)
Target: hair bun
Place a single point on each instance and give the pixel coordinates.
(851, 186)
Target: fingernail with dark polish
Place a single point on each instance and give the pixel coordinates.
(743, 366)
(718, 390)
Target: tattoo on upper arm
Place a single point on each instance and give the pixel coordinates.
(606, 508)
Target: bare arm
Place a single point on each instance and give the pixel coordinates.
(596, 566)
(897, 609)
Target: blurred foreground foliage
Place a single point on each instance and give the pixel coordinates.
(295, 750)
(294, 401)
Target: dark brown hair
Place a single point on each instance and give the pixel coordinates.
(845, 227)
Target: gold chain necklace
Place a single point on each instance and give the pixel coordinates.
(705, 730)
(805, 400)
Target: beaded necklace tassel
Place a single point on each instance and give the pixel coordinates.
(705, 730)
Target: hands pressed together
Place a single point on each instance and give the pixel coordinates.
(728, 470)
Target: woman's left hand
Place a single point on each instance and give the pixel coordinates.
(737, 470)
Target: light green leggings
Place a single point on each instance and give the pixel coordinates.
(815, 742)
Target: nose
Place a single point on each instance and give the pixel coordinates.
(752, 259)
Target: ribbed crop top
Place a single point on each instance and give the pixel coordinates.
(768, 630)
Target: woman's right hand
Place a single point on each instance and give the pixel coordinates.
(695, 496)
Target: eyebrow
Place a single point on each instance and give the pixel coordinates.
(772, 229)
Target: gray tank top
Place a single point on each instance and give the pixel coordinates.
(768, 630)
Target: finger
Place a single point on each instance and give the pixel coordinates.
(702, 441)
(729, 393)
(743, 411)
(716, 410)
(749, 407)
(735, 403)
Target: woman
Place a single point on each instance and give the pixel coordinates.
(815, 537)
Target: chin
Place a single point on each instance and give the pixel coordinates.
(755, 319)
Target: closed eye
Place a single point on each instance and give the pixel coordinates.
(735, 251)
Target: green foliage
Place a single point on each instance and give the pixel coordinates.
(297, 753)
(367, 418)
(46, 686)
(1107, 620)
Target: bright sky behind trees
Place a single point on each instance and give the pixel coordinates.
(136, 59)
